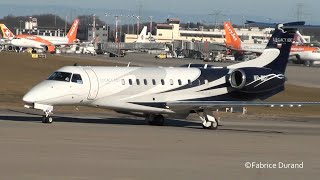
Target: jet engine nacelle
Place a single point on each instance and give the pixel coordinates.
(254, 79)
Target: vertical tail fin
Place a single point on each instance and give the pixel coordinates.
(232, 38)
(281, 39)
(72, 34)
(299, 39)
(6, 33)
(142, 35)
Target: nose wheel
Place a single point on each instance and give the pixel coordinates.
(47, 119)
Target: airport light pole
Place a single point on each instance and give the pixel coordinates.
(94, 30)
(133, 25)
(138, 25)
(116, 33)
(106, 25)
(151, 17)
(20, 26)
(65, 26)
(30, 24)
(128, 25)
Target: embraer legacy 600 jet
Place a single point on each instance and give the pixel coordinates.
(158, 92)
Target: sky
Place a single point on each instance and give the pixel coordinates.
(270, 9)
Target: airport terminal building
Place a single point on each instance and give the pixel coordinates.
(171, 31)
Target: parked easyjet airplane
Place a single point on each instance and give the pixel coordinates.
(302, 53)
(156, 92)
(41, 42)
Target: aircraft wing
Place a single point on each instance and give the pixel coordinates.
(242, 50)
(219, 104)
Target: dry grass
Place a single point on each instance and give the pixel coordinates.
(19, 72)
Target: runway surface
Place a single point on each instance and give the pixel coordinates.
(113, 146)
(297, 74)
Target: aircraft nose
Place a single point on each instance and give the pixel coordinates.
(34, 94)
(29, 97)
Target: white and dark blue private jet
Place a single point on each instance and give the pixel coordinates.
(158, 92)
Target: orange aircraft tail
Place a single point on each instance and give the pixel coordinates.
(232, 38)
(6, 33)
(72, 34)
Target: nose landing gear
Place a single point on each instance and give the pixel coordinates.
(47, 117)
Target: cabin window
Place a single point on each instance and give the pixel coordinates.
(130, 81)
(60, 76)
(179, 82)
(138, 81)
(189, 82)
(76, 78)
(154, 82)
(171, 82)
(123, 81)
(162, 81)
(145, 82)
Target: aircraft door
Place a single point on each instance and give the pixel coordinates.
(94, 84)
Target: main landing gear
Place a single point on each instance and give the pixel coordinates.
(209, 121)
(155, 120)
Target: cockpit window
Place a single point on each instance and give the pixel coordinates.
(60, 76)
(76, 78)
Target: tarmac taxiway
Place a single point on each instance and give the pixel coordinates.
(113, 146)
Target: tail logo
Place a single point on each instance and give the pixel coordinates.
(74, 27)
(233, 34)
(282, 40)
(280, 27)
(7, 32)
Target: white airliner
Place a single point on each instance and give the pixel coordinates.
(156, 92)
(145, 37)
(47, 43)
(303, 53)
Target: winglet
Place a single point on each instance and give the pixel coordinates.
(72, 34)
(7, 34)
(232, 38)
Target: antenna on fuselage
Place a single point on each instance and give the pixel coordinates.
(189, 65)
(129, 64)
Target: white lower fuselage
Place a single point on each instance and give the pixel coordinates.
(27, 43)
(56, 40)
(31, 43)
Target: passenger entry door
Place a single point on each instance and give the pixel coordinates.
(94, 84)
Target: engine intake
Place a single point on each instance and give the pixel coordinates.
(254, 80)
(237, 79)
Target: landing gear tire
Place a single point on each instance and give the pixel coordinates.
(209, 121)
(307, 63)
(210, 125)
(47, 119)
(155, 120)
